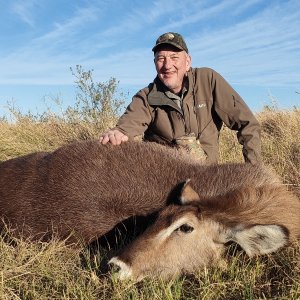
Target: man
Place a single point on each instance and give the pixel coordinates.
(183, 102)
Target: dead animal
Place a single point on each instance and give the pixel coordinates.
(82, 190)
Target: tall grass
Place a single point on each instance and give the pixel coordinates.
(280, 144)
(37, 270)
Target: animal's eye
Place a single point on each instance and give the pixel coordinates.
(185, 228)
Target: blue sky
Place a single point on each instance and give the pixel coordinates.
(254, 44)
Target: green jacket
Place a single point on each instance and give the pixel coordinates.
(152, 114)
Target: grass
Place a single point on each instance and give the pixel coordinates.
(280, 144)
(55, 271)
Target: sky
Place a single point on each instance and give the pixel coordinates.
(253, 44)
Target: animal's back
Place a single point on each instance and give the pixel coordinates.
(18, 176)
(90, 187)
(83, 186)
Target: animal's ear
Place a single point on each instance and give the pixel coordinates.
(187, 193)
(259, 239)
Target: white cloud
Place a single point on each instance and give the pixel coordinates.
(260, 49)
(24, 9)
(70, 26)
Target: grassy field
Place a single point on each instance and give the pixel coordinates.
(54, 271)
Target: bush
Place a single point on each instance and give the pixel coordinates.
(97, 107)
(96, 102)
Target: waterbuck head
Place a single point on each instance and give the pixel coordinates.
(189, 235)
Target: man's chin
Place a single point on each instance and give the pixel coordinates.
(168, 84)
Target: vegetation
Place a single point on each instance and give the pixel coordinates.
(97, 107)
(55, 271)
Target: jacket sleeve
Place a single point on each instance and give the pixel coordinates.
(235, 113)
(137, 116)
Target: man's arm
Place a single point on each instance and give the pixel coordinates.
(235, 113)
(133, 122)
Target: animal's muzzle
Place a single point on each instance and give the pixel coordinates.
(120, 269)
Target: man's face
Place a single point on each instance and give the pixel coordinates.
(171, 65)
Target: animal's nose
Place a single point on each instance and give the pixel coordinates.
(120, 268)
(113, 268)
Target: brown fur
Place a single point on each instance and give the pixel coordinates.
(225, 204)
(87, 188)
(261, 219)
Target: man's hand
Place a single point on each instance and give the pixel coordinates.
(114, 137)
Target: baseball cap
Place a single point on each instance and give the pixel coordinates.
(171, 38)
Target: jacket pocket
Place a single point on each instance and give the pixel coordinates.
(161, 125)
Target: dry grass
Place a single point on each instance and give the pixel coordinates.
(280, 144)
(54, 271)
(26, 136)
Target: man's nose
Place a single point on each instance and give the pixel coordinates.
(167, 63)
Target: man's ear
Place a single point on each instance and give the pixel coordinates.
(188, 62)
(258, 239)
(188, 194)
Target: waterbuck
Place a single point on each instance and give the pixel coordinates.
(84, 189)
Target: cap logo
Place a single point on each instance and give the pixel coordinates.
(166, 36)
(170, 36)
